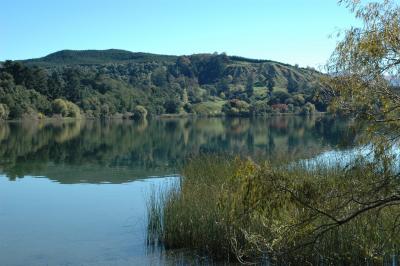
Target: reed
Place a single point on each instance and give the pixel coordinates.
(234, 209)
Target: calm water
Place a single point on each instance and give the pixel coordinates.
(75, 193)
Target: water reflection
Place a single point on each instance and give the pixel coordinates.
(122, 151)
(88, 224)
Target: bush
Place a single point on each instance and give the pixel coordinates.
(139, 113)
(260, 108)
(279, 97)
(172, 106)
(73, 110)
(236, 108)
(280, 108)
(4, 111)
(188, 108)
(298, 100)
(307, 109)
(66, 108)
(41, 116)
(60, 107)
(104, 111)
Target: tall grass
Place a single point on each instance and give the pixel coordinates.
(233, 209)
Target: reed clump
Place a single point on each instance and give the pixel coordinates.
(236, 209)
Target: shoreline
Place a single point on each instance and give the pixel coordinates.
(162, 116)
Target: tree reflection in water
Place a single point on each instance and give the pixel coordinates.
(120, 151)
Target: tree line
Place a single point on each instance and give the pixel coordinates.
(128, 90)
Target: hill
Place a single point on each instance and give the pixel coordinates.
(95, 57)
(104, 83)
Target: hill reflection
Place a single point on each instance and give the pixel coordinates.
(122, 151)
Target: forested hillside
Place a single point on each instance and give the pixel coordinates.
(117, 83)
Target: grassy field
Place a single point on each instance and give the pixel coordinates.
(209, 108)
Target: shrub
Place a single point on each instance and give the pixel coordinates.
(73, 110)
(4, 111)
(260, 108)
(307, 109)
(279, 96)
(188, 108)
(298, 100)
(172, 106)
(60, 107)
(139, 113)
(281, 108)
(104, 111)
(236, 108)
(41, 116)
(66, 108)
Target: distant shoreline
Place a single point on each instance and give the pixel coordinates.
(163, 116)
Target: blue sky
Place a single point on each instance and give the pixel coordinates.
(290, 31)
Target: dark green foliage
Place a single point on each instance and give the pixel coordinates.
(113, 82)
(279, 97)
(270, 78)
(159, 77)
(188, 108)
(172, 106)
(210, 67)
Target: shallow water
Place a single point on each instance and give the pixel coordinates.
(47, 223)
(75, 193)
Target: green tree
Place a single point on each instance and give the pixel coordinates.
(159, 77)
(55, 84)
(361, 85)
(250, 85)
(105, 111)
(271, 79)
(72, 87)
(185, 97)
(366, 64)
(172, 106)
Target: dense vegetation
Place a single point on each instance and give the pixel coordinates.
(115, 82)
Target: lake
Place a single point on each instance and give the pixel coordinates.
(75, 193)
